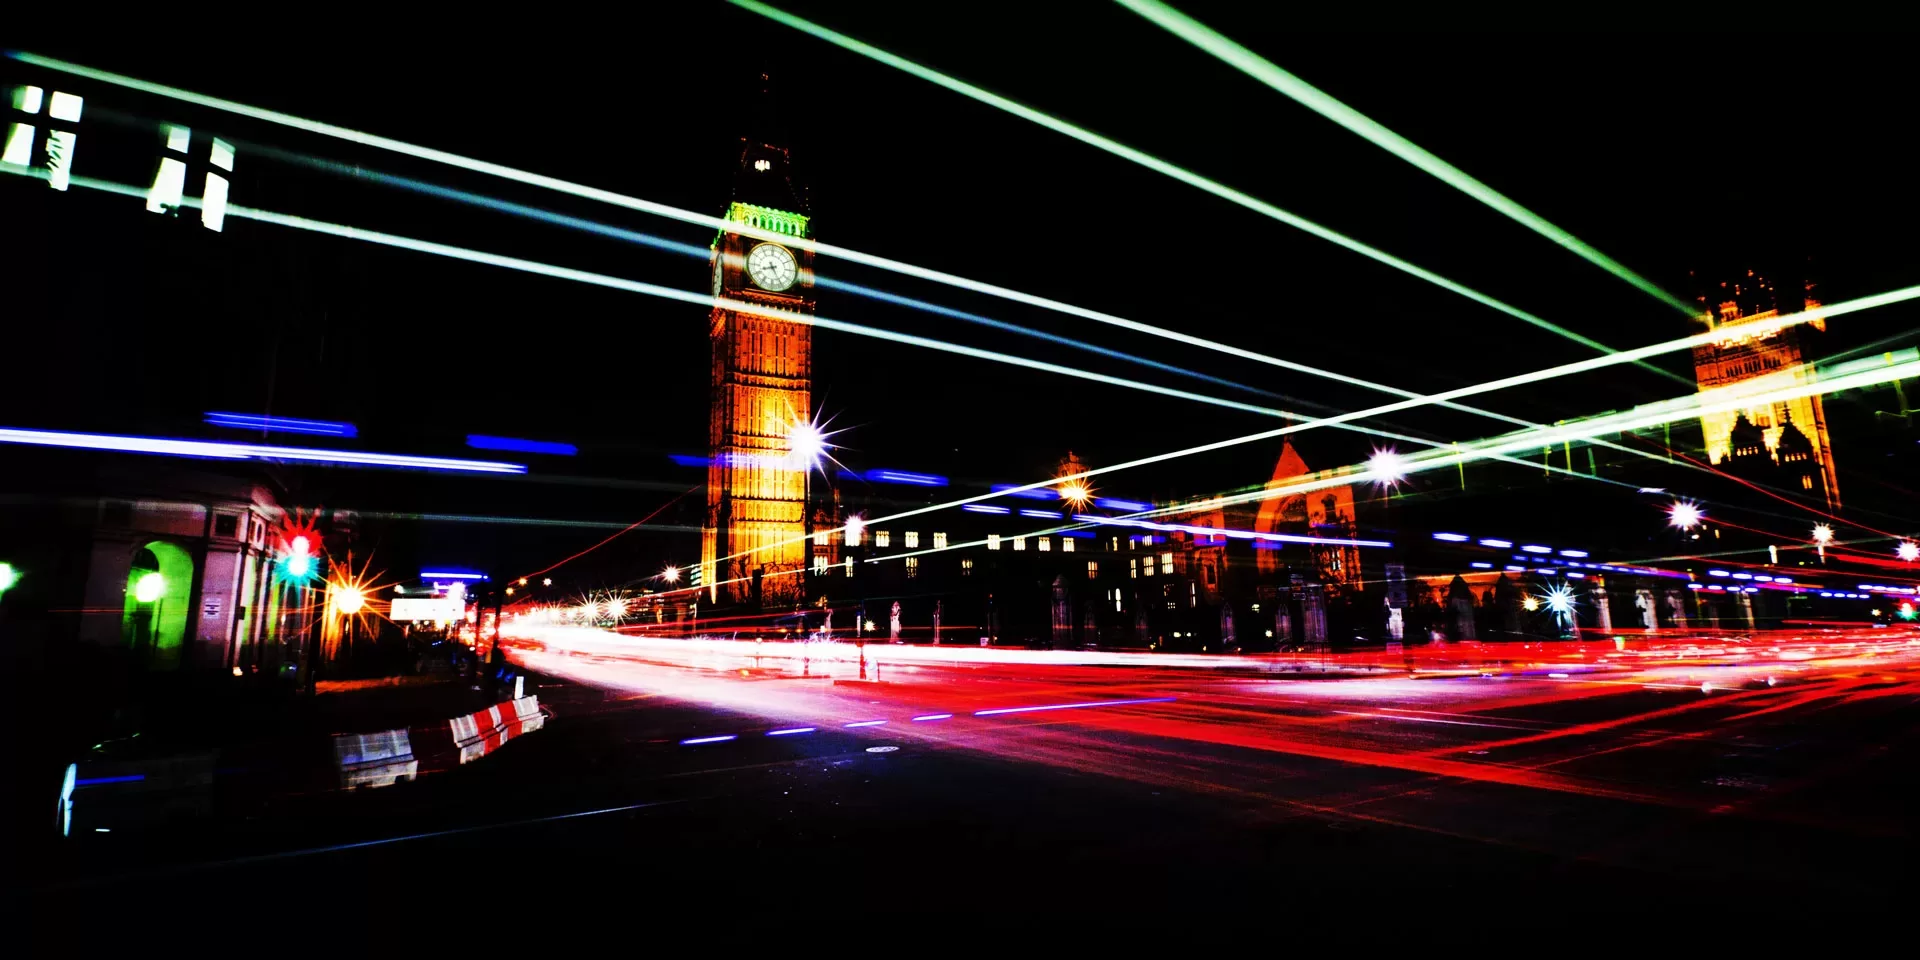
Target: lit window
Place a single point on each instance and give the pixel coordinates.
(1044, 543)
(882, 538)
(849, 563)
(1133, 568)
(853, 535)
(27, 99)
(1019, 543)
(993, 541)
(213, 203)
(19, 148)
(1093, 569)
(911, 539)
(819, 566)
(762, 165)
(168, 186)
(1166, 564)
(1116, 599)
(1066, 544)
(966, 566)
(913, 567)
(939, 541)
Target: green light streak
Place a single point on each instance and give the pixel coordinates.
(1869, 372)
(705, 300)
(1160, 166)
(1418, 462)
(1852, 375)
(724, 224)
(1311, 97)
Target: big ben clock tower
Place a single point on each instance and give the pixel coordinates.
(760, 431)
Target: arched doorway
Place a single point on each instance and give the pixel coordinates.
(159, 599)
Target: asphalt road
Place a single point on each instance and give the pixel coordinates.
(1737, 775)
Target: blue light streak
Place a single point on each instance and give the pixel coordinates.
(1573, 553)
(451, 575)
(983, 508)
(789, 731)
(700, 740)
(1479, 565)
(689, 460)
(1535, 548)
(1030, 494)
(1071, 706)
(95, 781)
(1502, 544)
(249, 421)
(866, 723)
(223, 450)
(1125, 506)
(1452, 537)
(1236, 534)
(933, 716)
(1041, 514)
(901, 476)
(481, 442)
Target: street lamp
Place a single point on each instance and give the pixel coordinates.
(348, 600)
(1908, 551)
(1822, 535)
(806, 444)
(1685, 514)
(1386, 466)
(1075, 493)
(149, 588)
(671, 574)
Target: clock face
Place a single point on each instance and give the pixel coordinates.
(771, 266)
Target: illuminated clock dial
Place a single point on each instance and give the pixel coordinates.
(771, 266)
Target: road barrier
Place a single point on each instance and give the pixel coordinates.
(478, 734)
(374, 759)
(100, 794)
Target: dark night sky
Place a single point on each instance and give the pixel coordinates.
(1668, 151)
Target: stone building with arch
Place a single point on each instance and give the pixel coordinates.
(161, 568)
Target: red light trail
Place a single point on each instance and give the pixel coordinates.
(1540, 716)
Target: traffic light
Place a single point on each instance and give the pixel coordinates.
(297, 560)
